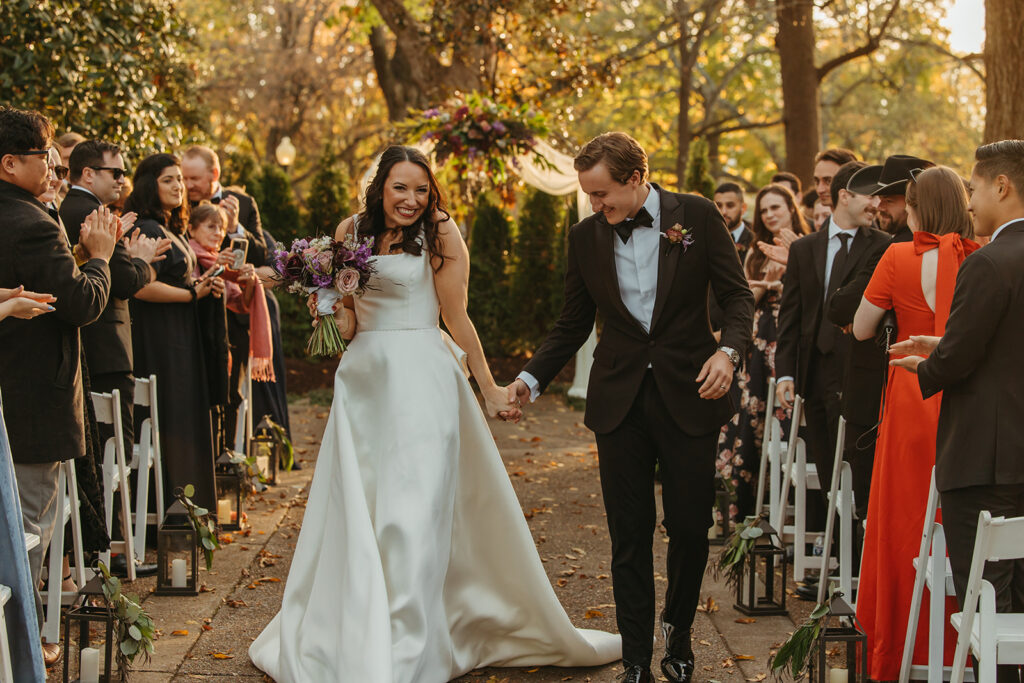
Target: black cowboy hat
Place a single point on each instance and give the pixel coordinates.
(865, 180)
(894, 176)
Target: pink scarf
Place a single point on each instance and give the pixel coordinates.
(261, 343)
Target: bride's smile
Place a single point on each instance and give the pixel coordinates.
(405, 195)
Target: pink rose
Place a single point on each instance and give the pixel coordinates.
(347, 281)
(326, 260)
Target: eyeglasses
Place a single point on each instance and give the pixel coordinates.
(118, 173)
(61, 172)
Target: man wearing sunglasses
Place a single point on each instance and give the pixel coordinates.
(40, 371)
(97, 179)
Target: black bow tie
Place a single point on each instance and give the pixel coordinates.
(641, 220)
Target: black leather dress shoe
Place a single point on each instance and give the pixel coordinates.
(636, 674)
(119, 568)
(677, 669)
(807, 592)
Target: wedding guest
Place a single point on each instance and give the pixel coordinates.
(34, 253)
(97, 177)
(200, 167)
(271, 397)
(916, 280)
(65, 144)
(792, 182)
(15, 573)
(820, 213)
(243, 293)
(165, 332)
(730, 202)
(811, 353)
(973, 366)
(775, 210)
(826, 164)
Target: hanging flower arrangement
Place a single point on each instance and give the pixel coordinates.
(478, 138)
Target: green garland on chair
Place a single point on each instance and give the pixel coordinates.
(199, 518)
(732, 558)
(134, 628)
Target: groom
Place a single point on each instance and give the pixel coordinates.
(658, 392)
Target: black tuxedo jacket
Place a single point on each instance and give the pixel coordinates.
(108, 341)
(866, 363)
(803, 300)
(744, 242)
(976, 367)
(680, 339)
(40, 359)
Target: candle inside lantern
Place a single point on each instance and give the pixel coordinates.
(263, 464)
(90, 665)
(838, 676)
(224, 511)
(713, 529)
(178, 573)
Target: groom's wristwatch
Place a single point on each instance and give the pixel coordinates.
(733, 354)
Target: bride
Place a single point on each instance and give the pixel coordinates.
(414, 563)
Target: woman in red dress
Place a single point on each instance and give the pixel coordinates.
(916, 279)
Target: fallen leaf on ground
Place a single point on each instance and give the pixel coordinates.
(704, 642)
(746, 620)
(708, 667)
(758, 678)
(180, 632)
(235, 603)
(561, 582)
(728, 663)
(745, 658)
(592, 613)
(221, 655)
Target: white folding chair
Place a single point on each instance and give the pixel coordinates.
(802, 476)
(993, 638)
(67, 513)
(766, 447)
(146, 457)
(935, 574)
(115, 479)
(840, 503)
(6, 672)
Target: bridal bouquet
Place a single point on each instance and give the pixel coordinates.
(332, 270)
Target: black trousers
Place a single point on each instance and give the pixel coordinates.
(960, 510)
(859, 451)
(628, 455)
(822, 408)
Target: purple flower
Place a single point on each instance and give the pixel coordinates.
(499, 127)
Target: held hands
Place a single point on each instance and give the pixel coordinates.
(499, 405)
(101, 230)
(715, 376)
(515, 394)
(785, 393)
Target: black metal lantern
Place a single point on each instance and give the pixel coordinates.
(765, 557)
(230, 488)
(88, 659)
(265, 447)
(722, 527)
(847, 635)
(177, 554)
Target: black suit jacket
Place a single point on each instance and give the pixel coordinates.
(680, 339)
(803, 299)
(108, 341)
(866, 363)
(40, 359)
(976, 367)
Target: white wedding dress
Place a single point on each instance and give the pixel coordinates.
(414, 563)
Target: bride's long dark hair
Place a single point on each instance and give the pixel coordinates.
(371, 218)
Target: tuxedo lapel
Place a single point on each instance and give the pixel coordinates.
(668, 258)
(603, 235)
(857, 248)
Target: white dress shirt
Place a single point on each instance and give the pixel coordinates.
(738, 232)
(636, 269)
(1000, 228)
(87, 191)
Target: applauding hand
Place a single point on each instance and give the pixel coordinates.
(917, 345)
(25, 305)
(775, 252)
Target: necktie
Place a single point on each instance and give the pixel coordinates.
(826, 330)
(626, 227)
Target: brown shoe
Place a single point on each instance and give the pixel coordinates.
(51, 654)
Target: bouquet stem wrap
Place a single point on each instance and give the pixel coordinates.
(326, 339)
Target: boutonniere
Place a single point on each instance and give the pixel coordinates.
(678, 235)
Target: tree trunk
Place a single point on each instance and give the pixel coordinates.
(1004, 64)
(795, 43)
(683, 124)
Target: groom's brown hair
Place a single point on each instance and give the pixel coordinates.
(621, 154)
